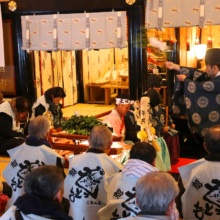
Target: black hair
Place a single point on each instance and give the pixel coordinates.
(154, 80)
(45, 181)
(212, 139)
(123, 96)
(154, 96)
(143, 151)
(217, 64)
(22, 104)
(56, 92)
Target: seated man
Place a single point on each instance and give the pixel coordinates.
(86, 184)
(201, 181)
(14, 119)
(43, 196)
(28, 156)
(121, 200)
(155, 193)
(118, 121)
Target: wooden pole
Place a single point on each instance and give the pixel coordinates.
(166, 116)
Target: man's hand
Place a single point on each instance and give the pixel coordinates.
(172, 66)
(173, 126)
(181, 77)
(165, 129)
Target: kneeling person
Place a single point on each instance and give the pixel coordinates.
(43, 196)
(86, 184)
(156, 193)
(121, 200)
(28, 156)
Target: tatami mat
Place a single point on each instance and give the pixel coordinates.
(86, 109)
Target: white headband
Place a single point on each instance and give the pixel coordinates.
(123, 101)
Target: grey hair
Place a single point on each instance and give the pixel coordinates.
(39, 127)
(44, 181)
(100, 137)
(155, 191)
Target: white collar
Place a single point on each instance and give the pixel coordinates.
(218, 74)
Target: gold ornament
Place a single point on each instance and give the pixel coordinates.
(130, 2)
(12, 6)
(49, 116)
(142, 135)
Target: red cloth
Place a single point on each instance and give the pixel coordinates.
(3, 201)
(173, 147)
(181, 162)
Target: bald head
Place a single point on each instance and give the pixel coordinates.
(100, 137)
(212, 139)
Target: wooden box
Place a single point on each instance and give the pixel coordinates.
(124, 80)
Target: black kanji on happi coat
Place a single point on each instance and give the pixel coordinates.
(200, 212)
(212, 198)
(88, 181)
(72, 172)
(197, 184)
(14, 163)
(118, 194)
(25, 168)
(213, 195)
(129, 205)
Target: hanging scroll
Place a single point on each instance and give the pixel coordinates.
(67, 77)
(74, 31)
(181, 13)
(73, 63)
(55, 69)
(37, 73)
(46, 71)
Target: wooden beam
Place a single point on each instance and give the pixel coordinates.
(4, 1)
(70, 6)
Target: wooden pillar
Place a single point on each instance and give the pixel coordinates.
(137, 55)
(173, 57)
(23, 63)
(79, 76)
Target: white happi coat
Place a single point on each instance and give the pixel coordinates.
(10, 215)
(5, 107)
(86, 184)
(201, 181)
(24, 159)
(114, 121)
(42, 101)
(148, 217)
(121, 201)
